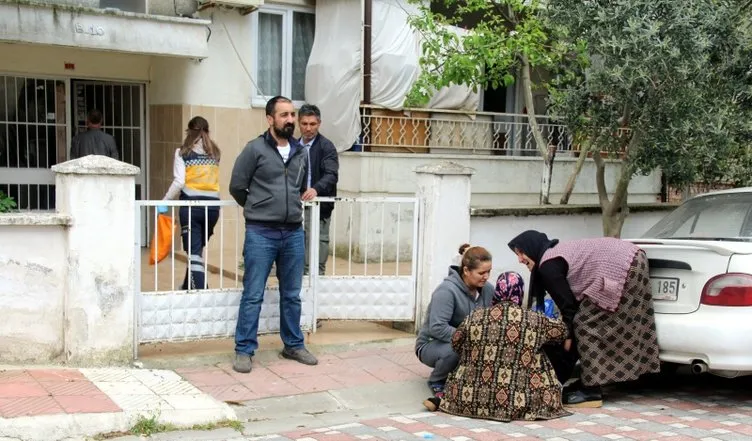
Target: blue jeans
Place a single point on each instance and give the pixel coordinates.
(287, 249)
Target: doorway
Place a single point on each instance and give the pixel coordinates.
(122, 107)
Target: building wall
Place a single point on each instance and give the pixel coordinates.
(497, 182)
(219, 89)
(29, 59)
(32, 286)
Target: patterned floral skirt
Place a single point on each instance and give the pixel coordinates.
(622, 345)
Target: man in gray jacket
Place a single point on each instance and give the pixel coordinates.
(94, 141)
(268, 181)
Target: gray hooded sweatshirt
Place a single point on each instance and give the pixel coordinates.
(450, 304)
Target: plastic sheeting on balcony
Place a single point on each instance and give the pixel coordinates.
(334, 76)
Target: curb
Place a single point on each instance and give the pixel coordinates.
(60, 427)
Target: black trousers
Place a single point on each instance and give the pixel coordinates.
(563, 361)
(196, 229)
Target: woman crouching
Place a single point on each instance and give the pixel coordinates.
(503, 375)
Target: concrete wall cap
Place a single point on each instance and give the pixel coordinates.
(96, 165)
(445, 168)
(34, 219)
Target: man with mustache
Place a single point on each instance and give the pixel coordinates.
(268, 180)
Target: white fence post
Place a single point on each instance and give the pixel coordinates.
(98, 193)
(444, 189)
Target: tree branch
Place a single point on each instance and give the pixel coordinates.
(620, 193)
(527, 91)
(506, 12)
(575, 174)
(600, 179)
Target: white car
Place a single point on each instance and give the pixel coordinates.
(701, 276)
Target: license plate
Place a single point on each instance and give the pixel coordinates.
(665, 288)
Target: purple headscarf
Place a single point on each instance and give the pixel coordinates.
(509, 287)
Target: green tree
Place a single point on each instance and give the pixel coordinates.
(506, 40)
(660, 81)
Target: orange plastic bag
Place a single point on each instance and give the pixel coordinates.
(161, 243)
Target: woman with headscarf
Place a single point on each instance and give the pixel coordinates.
(464, 289)
(503, 375)
(601, 286)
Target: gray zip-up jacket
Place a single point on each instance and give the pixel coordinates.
(94, 142)
(268, 188)
(450, 304)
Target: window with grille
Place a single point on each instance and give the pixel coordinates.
(33, 138)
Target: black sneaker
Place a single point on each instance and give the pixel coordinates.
(589, 397)
(300, 355)
(242, 363)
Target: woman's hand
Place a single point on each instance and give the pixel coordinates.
(568, 344)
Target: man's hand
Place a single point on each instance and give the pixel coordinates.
(309, 194)
(568, 344)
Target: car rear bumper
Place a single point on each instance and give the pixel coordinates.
(717, 335)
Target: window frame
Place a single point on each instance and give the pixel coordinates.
(287, 13)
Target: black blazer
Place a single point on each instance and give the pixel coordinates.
(324, 171)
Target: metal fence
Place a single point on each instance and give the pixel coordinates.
(446, 131)
(371, 270)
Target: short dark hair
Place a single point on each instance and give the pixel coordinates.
(95, 116)
(309, 110)
(271, 105)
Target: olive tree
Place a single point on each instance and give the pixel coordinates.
(660, 83)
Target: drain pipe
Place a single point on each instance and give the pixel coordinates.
(366, 58)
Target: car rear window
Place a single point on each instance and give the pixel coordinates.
(716, 217)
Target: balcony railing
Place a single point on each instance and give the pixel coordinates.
(445, 131)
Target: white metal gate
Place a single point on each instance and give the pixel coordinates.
(371, 274)
(377, 239)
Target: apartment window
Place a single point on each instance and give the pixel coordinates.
(284, 38)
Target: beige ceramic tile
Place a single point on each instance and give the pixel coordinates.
(185, 115)
(153, 133)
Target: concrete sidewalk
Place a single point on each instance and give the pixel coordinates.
(57, 404)
(371, 391)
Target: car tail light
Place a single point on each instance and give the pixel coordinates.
(732, 289)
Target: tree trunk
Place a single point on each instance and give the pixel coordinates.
(540, 141)
(615, 211)
(612, 224)
(614, 217)
(548, 171)
(573, 177)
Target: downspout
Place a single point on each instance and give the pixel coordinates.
(366, 61)
(365, 69)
